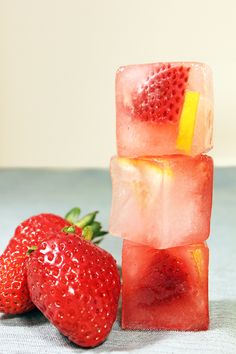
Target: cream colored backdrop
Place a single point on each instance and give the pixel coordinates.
(57, 65)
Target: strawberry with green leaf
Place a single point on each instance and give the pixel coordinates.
(14, 294)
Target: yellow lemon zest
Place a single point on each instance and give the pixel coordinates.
(187, 121)
(197, 256)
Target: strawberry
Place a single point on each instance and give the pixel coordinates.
(14, 294)
(160, 98)
(165, 280)
(76, 285)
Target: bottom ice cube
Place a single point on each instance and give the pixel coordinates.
(165, 289)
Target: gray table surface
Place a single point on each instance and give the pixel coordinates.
(26, 192)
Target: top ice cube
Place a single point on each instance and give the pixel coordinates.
(164, 109)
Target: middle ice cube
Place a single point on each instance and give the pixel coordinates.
(162, 202)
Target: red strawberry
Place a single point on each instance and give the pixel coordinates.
(14, 294)
(161, 96)
(76, 285)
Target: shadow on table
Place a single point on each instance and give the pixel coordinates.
(223, 315)
(119, 340)
(127, 341)
(32, 318)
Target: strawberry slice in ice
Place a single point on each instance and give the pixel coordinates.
(160, 97)
(165, 289)
(164, 109)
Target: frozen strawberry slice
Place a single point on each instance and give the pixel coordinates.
(160, 98)
(164, 109)
(166, 278)
(165, 289)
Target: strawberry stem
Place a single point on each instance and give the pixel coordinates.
(73, 215)
(87, 233)
(86, 220)
(69, 229)
(91, 229)
(96, 226)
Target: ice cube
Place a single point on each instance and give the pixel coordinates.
(163, 201)
(164, 109)
(165, 289)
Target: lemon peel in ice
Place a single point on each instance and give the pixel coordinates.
(187, 121)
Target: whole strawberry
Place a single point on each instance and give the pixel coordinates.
(76, 285)
(14, 294)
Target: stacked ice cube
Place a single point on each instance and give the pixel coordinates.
(162, 193)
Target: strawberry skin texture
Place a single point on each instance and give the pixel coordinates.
(161, 96)
(76, 285)
(14, 294)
